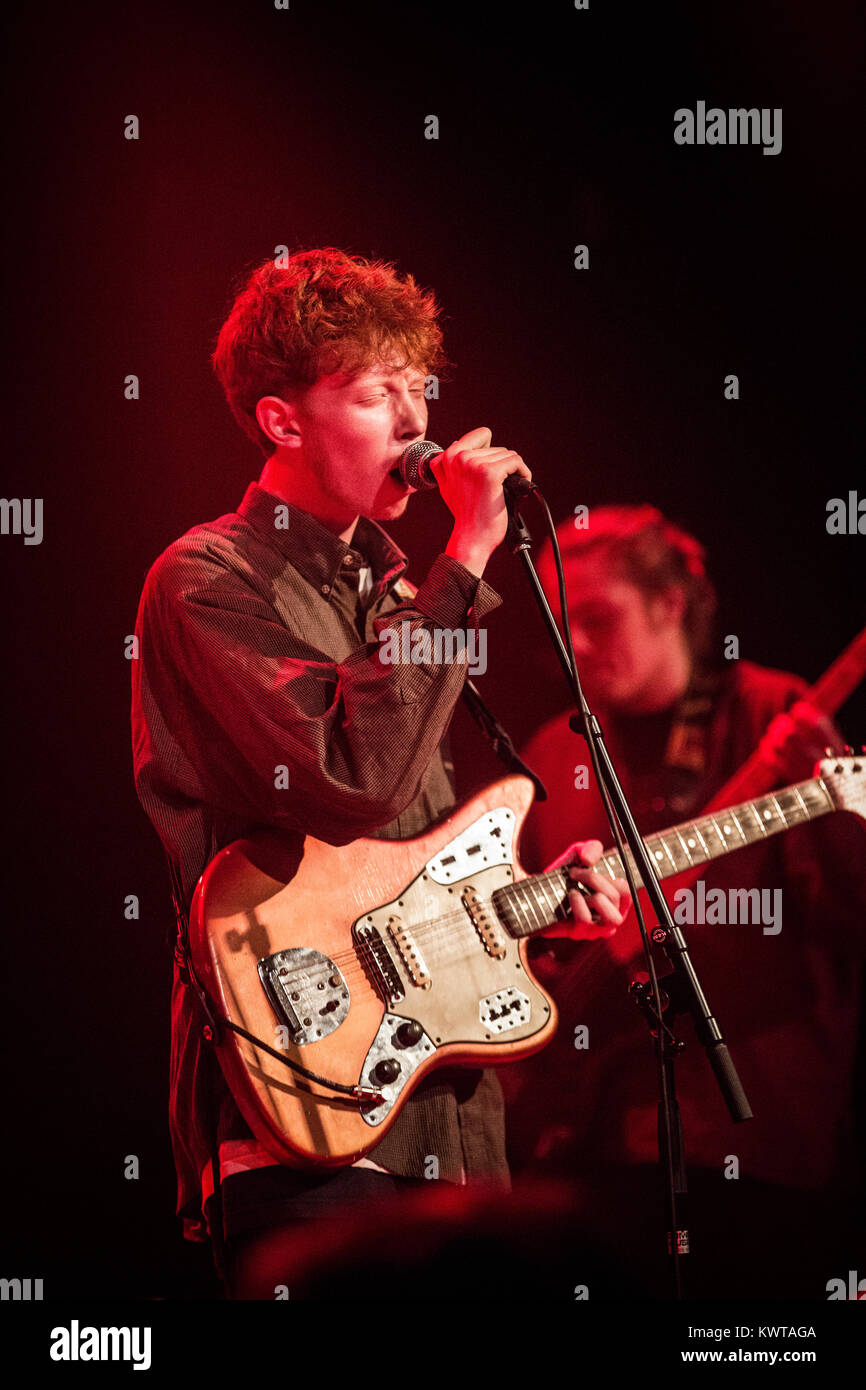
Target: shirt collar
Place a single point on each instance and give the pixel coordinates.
(317, 553)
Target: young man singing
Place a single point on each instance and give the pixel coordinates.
(259, 648)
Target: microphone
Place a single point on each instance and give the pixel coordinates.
(413, 466)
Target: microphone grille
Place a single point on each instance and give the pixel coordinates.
(412, 462)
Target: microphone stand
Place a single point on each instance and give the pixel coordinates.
(683, 992)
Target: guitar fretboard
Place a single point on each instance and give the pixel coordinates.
(537, 902)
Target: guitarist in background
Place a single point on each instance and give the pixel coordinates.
(259, 700)
(679, 725)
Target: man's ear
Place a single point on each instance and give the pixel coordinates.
(669, 606)
(277, 418)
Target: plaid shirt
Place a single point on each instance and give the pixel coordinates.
(258, 648)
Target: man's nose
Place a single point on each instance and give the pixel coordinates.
(413, 418)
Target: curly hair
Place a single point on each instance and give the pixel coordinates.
(648, 551)
(323, 311)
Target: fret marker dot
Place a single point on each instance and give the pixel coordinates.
(767, 815)
(727, 830)
(658, 854)
(691, 844)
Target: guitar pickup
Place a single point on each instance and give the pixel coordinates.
(409, 953)
(485, 922)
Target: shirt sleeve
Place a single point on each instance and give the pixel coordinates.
(264, 726)
(820, 863)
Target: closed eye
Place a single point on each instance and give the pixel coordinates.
(416, 391)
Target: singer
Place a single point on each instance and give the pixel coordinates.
(259, 699)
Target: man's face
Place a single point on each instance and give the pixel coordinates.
(624, 640)
(353, 430)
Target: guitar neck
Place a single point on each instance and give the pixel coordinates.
(537, 902)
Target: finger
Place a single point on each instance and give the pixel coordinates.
(516, 464)
(595, 882)
(484, 457)
(480, 463)
(590, 851)
(580, 909)
(607, 911)
(585, 925)
(475, 439)
(504, 461)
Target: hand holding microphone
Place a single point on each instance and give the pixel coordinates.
(472, 477)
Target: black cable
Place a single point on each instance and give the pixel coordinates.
(215, 1022)
(357, 1092)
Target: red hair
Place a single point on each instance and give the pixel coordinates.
(648, 551)
(324, 311)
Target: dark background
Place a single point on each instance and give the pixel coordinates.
(306, 127)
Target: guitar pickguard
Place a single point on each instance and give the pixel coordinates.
(444, 965)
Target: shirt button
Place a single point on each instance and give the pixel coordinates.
(326, 588)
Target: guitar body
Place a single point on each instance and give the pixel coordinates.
(370, 964)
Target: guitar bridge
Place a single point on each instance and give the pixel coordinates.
(380, 963)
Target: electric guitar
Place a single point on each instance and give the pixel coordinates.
(343, 975)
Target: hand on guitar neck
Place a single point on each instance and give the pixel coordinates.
(596, 916)
(791, 744)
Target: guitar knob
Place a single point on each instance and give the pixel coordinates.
(385, 1071)
(408, 1034)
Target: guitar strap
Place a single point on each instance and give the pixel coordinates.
(481, 712)
(186, 971)
(499, 738)
(182, 956)
(688, 744)
(674, 787)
